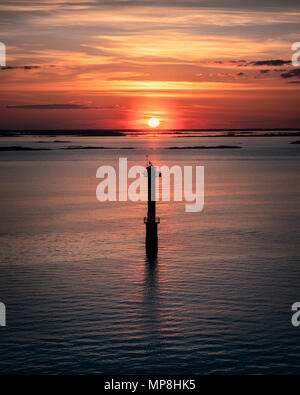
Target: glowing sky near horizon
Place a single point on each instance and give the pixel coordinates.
(116, 64)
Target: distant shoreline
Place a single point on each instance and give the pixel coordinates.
(208, 147)
(132, 132)
(21, 148)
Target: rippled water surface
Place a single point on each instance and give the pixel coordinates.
(81, 297)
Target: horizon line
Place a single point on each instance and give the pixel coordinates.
(149, 130)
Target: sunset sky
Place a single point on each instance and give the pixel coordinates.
(115, 64)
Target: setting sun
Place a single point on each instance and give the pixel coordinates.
(153, 122)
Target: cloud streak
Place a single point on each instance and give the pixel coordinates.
(19, 67)
(275, 62)
(295, 73)
(65, 106)
(61, 106)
